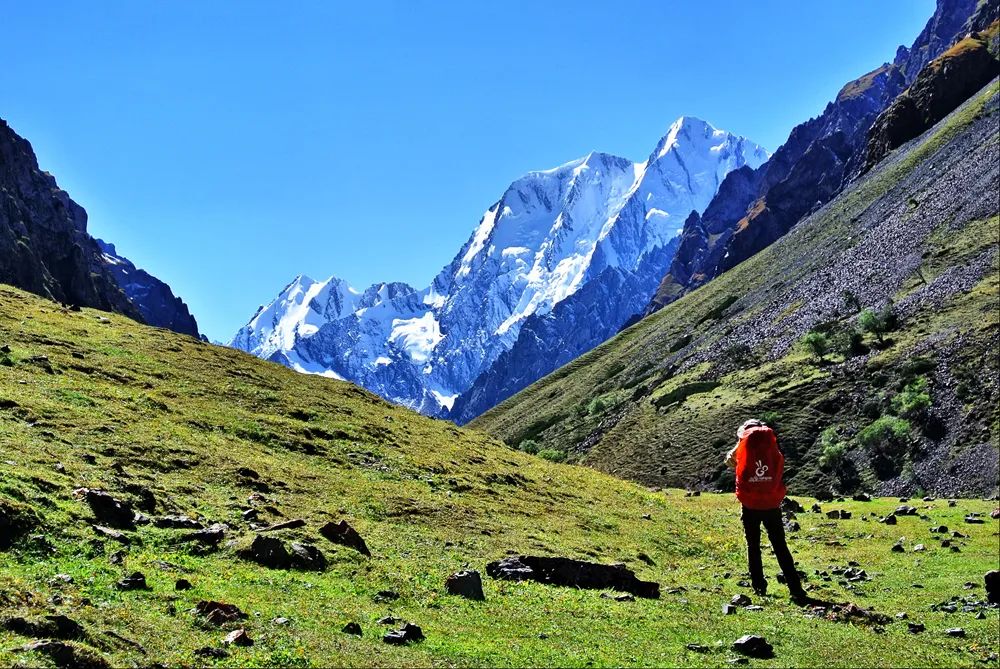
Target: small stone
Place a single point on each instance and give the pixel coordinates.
(287, 525)
(888, 520)
(919, 548)
(955, 631)
(183, 584)
(353, 629)
(697, 648)
(238, 638)
(952, 502)
(61, 579)
(345, 535)
(388, 620)
(973, 520)
(902, 616)
(915, 628)
(282, 621)
(753, 607)
(109, 533)
(177, 522)
(210, 652)
(740, 600)
(753, 646)
(250, 514)
(728, 609)
(218, 613)
(117, 557)
(898, 547)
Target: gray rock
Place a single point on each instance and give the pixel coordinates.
(752, 645)
(468, 584)
(407, 634)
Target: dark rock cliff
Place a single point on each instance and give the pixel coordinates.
(44, 245)
(819, 158)
(155, 300)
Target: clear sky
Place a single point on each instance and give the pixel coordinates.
(227, 147)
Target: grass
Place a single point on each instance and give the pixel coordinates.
(128, 407)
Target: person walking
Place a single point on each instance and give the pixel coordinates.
(759, 467)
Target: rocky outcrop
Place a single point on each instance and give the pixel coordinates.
(820, 157)
(943, 84)
(572, 573)
(45, 248)
(156, 301)
(44, 245)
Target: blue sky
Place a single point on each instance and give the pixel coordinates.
(227, 147)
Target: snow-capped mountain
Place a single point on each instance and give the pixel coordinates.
(550, 234)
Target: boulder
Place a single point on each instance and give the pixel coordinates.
(218, 613)
(50, 626)
(287, 525)
(345, 535)
(572, 573)
(109, 533)
(134, 581)
(177, 522)
(108, 510)
(408, 633)
(307, 557)
(238, 638)
(67, 654)
(992, 580)
(468, 584)
(268, 552)
(752, 645)
(210, 536)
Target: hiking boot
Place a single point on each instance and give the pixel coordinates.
(799, 597)
(760, 590)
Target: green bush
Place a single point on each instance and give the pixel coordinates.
(913, 400)
(552, 455)
(528, 446)
(886, 438)
(596, 406)
(833, 449)
(816, 343)
(878, 322)
(887, 430)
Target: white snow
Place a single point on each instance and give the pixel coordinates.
(416, 336)
(548, 234)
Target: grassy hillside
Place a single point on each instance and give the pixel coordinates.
(174, 426)
(909, 405)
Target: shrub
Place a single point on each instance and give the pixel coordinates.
(528, 446)
(816, 343)
(552, 455)
(833, 449)
(596, 406)
(886, 438)
(878, 322)
(913, 400)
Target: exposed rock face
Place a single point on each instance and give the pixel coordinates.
(156, 302)
(574, 326)
(572, 573)
(941, 86)
(820, 157)
(44, 245)
(45, 248)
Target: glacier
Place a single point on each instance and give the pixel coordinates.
(600, 219)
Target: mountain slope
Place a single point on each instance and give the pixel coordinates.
(156, 302)
(818, 160)
(659, 402)
(596, 219)
(173, 426)
(45, 248)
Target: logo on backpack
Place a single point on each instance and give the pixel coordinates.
(760, 473)
(761, 469)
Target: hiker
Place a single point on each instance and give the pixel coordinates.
(759, 467)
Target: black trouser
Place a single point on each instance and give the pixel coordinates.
(771, 519)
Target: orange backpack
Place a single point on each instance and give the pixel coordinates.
(759, 469)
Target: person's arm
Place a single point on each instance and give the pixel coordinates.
(731, 457)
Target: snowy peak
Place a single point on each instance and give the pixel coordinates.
(550, 234)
